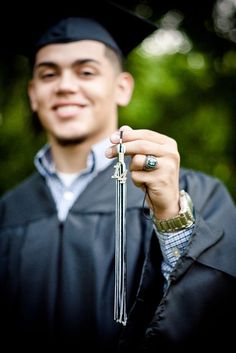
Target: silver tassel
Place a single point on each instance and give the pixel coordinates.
(120, 175)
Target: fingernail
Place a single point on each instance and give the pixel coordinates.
(115, 137)
(108, 152)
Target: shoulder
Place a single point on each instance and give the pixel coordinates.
(204, 188)
(215, 220)
(195, 179)
(20, 190)
(24, 202)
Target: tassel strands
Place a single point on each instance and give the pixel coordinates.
(120, 175)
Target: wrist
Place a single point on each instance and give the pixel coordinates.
(183, 220)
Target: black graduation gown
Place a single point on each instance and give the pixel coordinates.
(57, 279)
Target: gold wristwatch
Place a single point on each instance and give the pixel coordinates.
(185, 218)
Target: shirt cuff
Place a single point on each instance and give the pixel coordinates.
(173, 245)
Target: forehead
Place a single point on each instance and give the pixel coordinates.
(67, 52)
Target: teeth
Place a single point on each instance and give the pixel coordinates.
(68, 109)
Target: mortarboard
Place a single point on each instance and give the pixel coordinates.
(122, 29)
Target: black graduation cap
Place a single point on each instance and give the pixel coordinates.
(25, 27)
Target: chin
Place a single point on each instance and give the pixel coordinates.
(70, 141)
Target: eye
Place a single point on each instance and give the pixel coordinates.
(47, 75)
(87, 72)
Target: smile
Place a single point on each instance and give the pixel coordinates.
(68, 110)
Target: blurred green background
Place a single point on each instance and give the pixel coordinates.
(185, 87)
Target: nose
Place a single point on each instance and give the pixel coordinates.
(67, 83)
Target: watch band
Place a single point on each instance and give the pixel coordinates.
(183, 220)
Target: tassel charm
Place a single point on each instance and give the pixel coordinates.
(120, 175)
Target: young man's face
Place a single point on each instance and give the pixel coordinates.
(75, 91)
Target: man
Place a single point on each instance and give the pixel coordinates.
(57, 235)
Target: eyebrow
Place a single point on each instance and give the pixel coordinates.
(75, 63)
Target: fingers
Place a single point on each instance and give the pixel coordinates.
(139, 134)
(142, 142)
(143, 147)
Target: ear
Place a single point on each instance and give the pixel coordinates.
(125, 88)
(32, 96)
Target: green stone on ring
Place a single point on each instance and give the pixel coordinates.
(150, 162)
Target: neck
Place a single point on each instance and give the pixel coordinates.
(72, 158)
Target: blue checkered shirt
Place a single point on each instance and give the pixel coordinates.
(173, 245)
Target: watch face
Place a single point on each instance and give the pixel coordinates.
(185, 202)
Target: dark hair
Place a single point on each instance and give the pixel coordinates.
(115, 57)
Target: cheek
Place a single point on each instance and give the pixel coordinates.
(41, 96)
(100, 89)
